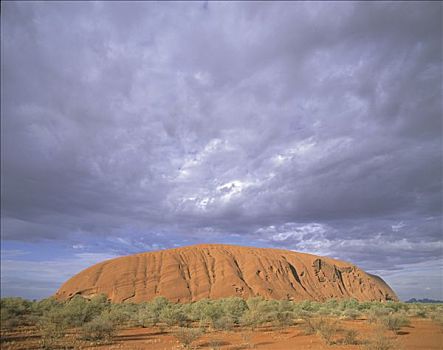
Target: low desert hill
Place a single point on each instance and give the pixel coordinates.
(216, 271)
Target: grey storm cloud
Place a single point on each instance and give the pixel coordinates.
(311, 126)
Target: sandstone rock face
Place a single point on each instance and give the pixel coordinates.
(217, 271)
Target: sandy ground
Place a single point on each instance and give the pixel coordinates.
(422, 334)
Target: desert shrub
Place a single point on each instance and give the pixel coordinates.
(186, 336)
(350, 337)
(220, 314)
(437, 317)
(394, 322)
(259, 311)
(52, 327)
(309, 325)
(309, 305)
(379, 341)
(252, 318)
(197, 310)
(15, 312)
(324, 311)
(45, 305)
(8, 319)
(216, 344)
(117, 315)
(421, 313)
(146, 315)
(213, 312)
(348, 304)
(173, 315)
(396, 306)
(375, 313)
(350, 314)
(282, 314)
(234, 307)
(100, 329)
(79, 310)
(18, 306)
(326, 328)
(225, 323)
(160, 303)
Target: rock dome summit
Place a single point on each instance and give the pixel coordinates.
(216, 271)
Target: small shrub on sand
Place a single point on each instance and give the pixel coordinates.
(437, 317)
(379, 341)
(375, 313)
(186, 336)
(421, 313)
(52, 327)
(224, 323)
(326, 328)
(350, 338)
(173, 315)
(350, 314)
(216, 344)
(14, 312)
(394, 322)
(282, 314)
(100, 329)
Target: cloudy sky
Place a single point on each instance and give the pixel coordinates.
(130, 127)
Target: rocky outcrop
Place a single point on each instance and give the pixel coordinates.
(216, 271)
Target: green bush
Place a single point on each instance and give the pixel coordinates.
(149, 313)
(376, 312)
(15, 312)
(52, 327)
(350, 314)
(45, 305)
(348, 304)
(173, 315)
(100, 329)
(421, 313)
(234, 308)
(281, 314)
(210, 311)
(146, 315)
(259, 312)
(79, 310)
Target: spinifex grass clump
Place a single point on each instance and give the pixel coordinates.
(326, 328)
(394, 322)
(187, 336)
(351, 337)
(379, 341)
